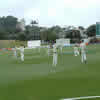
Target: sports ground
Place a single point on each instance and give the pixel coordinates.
(37, 79)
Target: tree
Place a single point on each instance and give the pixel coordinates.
(51, 34)
(32, 32)
(91, 30)
(74, 35)
(57, 31)
(21, 36)
(81, 27)
(34, 22)
(43, 33)
(8, 26)
(10, 23)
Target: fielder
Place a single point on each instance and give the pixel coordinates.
(22, 53)
(49, 50)
(15, 52)
(61, 47)
(83, 52)
(76, 51)
(54, 55)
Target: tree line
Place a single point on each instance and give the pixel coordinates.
(9, 31)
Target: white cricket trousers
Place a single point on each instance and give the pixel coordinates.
(76, 53)
(61, 49)
(83, 57)
(54, 59)
(22, 57)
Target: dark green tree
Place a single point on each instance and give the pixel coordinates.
(91, 30)
(8, 27)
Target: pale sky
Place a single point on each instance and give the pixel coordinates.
(53, 12)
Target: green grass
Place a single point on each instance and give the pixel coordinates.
(33, 79)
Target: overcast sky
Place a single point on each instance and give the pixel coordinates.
(53, 12)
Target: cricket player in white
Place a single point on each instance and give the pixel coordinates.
(61, 47)
(48, 50)
(83, 52)
(76, 51)
(54, 55)
(22, 53)
(15, 52)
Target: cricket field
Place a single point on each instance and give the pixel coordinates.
(37, 79)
